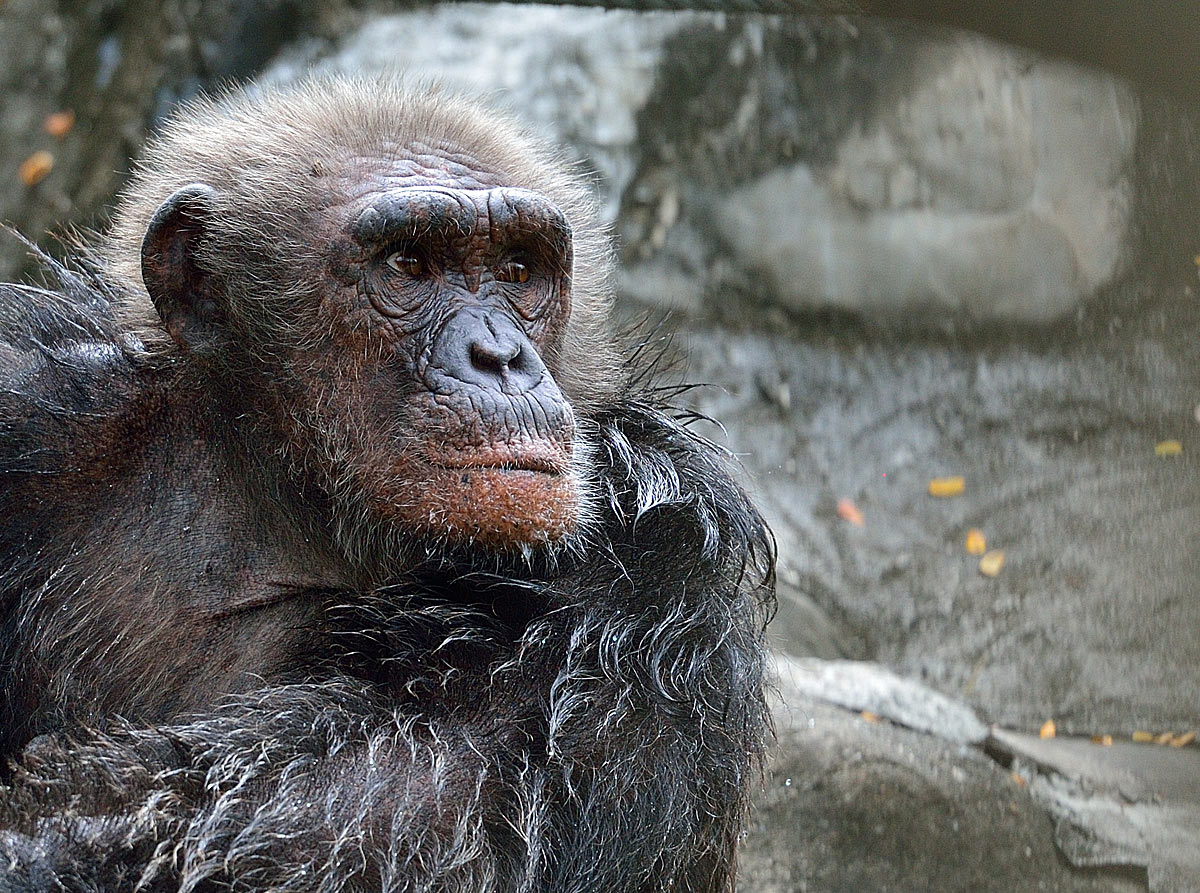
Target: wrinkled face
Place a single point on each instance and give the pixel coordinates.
(450, 294)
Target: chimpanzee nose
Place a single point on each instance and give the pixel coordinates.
(489, 350)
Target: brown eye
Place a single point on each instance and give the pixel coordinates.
(513, 271)
(407, 263)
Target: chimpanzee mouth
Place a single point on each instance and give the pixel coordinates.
(499, 499)
(539, 460)
(506, 467)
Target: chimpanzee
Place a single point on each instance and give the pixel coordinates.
(341, 545)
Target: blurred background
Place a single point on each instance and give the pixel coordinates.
(942, 286)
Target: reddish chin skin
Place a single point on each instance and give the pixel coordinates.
(499, 507)
(502, 496)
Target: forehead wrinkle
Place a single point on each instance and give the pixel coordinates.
(419, 165)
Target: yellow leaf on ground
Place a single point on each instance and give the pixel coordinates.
(1168, 448)
(951, 486)
(1048, 729)
(976, 541)
(991, 562)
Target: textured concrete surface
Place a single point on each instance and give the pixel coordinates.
(1092, 621)
(968, 179)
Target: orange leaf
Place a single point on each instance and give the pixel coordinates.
(35, 168)
(976, 541)
(60, 123)
(848, 511)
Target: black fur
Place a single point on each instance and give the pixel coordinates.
(589, 721)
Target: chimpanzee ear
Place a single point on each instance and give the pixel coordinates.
(185, 295)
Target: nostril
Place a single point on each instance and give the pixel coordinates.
(517, 361)
(495, 357)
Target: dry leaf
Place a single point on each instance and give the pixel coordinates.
(950, 486)
(35, 168)
(869, 716)
(1102, 740)
(1048, 729)
(991, 562)
(1143, 737)
(848, 511)
(1183, 740)
(976, 541)
(1168, 448)
(60, 123)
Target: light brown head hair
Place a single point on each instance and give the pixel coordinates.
(274, 154)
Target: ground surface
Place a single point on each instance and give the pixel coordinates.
(1092, 621)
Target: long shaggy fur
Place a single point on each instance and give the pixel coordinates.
(586, 720)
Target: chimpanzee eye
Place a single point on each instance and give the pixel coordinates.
(407, 262)
(513, 271)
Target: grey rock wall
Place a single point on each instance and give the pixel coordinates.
(988, 186)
